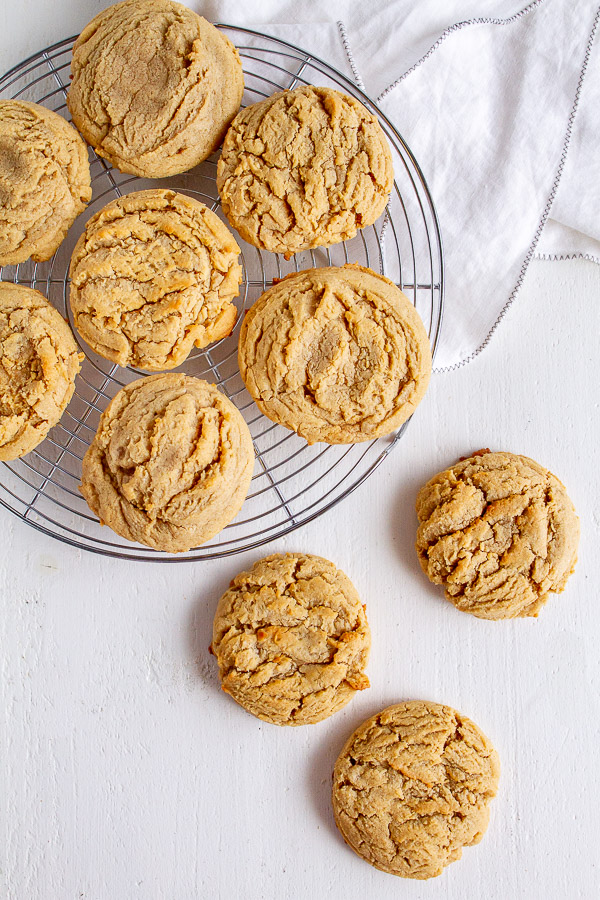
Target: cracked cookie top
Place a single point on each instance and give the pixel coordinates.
(292, 640)
(154, 86)
(499, 532)
(154, 274)
(38, 365)
(337, 354)
(304, 168)
(171, 462)
(412, 787)
(44, 181)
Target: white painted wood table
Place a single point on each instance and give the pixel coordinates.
(127, 773)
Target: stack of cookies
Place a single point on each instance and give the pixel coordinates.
(336, 354)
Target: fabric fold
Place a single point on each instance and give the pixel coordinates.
(489, 116)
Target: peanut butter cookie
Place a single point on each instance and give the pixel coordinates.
(499, 532)
(171, 463)
(412, 787)
(44, 181)
(292, 640)
(154, 86)
(304, 168)
(38, 365)
(336, 354)
(154, 274)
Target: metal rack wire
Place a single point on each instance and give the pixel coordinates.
(293, 483)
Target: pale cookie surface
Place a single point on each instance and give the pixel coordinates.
(38, 365)
(336, 354)
(499, 532)
(154, 86)
(154, 274)
(171, 462)
(292, 640)
(412, 787)
(304, 168)
(44, 181)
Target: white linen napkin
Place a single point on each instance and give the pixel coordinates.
(499, 101)
(490, 117)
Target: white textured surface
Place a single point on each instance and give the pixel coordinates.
(126, 773)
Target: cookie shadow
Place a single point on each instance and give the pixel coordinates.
(403, 532)
(200, 628)
(403, 520)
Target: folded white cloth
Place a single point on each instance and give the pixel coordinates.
(499, 101)
(490, 115)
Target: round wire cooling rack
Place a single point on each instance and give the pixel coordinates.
(293, 482)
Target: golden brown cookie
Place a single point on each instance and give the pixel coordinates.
(304, 168)
(44, 181)
(154, 274)
(292, 640)
(337, 354)
(499, 532)
(38, 365)
(412, 787)
(171, 463)
(154, 86)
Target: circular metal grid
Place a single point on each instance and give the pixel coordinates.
(293, 483)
